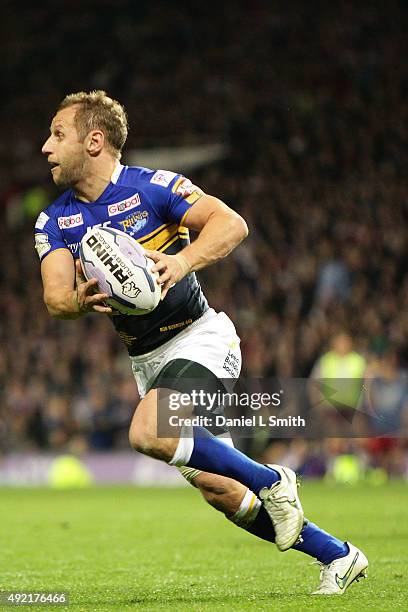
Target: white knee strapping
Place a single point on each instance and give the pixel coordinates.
(184, 448)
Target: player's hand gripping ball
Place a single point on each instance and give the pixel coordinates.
(122, 269)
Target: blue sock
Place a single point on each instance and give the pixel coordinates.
(212, 455)
(320, 544)
(316, 542)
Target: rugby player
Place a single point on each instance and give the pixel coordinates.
(183, 337)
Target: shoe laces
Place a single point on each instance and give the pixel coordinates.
(326, 576)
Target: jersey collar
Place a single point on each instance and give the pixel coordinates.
(116, 173)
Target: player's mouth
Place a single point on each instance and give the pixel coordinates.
(53, 166)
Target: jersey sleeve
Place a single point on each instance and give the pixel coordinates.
(173, 195)
(48, 236)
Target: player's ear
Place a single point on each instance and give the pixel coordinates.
(95, 141)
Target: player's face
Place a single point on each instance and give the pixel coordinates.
(65, 152)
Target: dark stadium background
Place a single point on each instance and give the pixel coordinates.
(308, 102)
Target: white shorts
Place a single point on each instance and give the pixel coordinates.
(210, 341)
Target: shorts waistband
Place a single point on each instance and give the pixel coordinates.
(208, 314)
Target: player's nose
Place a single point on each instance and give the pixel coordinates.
(46, 148)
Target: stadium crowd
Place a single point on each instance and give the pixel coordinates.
(314, 117)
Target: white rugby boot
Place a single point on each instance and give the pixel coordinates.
(340, 573)
(281, 501)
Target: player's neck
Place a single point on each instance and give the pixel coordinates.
(96, 178)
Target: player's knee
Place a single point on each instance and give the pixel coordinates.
(140, 440)
(146, 442)
(143, 440)
(142, 432)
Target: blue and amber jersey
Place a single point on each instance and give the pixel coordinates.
(150, 206)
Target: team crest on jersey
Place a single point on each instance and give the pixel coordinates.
(163, 177)
(71, 221)
(124, 205)
(134, 222)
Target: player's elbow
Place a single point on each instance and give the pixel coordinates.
(50, 305)
(55, 308)
(244, 228)
(240, 228)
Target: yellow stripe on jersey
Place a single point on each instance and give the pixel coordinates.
(185, 215)
(168, 243)
(177, 183)
(183, 232)
(160, 238)
(172, 240)
(153, 233)
(193, 197)
(163, 236)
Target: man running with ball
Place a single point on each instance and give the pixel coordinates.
(183, 338)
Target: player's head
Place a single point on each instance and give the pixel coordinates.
(85, 125)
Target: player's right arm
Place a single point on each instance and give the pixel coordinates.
(67, 294)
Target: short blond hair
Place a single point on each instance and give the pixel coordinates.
(97, 111)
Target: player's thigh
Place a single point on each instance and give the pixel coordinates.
(144, 420)
(143, 430)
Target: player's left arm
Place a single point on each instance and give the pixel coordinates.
(220, 229)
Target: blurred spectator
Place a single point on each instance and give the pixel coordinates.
(387, 397)
(336, 387)
(333, 282)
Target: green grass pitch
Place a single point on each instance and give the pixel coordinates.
(165, 549)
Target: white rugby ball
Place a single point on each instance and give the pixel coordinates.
(122, 269)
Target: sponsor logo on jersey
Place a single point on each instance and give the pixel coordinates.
(71, 221)
(163, 177)
(172, 326)
(127, 338)
(130, 290)
(124, 205)
(42, 244)
(185, 188)
(232, 364)
(73, 247)
(134, 222)
(41, 220)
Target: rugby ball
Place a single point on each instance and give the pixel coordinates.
(122, 269)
